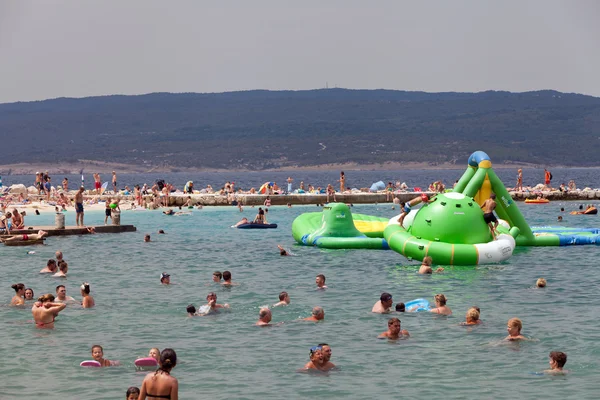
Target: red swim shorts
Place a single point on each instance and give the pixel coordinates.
(97, 185)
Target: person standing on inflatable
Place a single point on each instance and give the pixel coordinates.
(547, 177)
(488, 208)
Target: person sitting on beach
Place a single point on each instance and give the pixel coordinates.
(472, 317)
(282, 251)
(63, 267)
(165, 279)
(25, 237)
(426, 266)
(5, 224)
(88, 301)
(400, 307)
(557, 361)
(19, 297)
(441, 307)
(541, 283)
(330, 192)
(61, 295)
(389, 191)
(284, 299)
(384, 305)
(98, 355)
(488, 208)
(50, 267)
(260, 217)
(64, 201)
(514, 330)
(320, 281)
(394, 330)
(264, 317)
(318, 314)
(242, 222)
(29, 294)
(45, 310)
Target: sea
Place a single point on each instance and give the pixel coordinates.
(225, 356)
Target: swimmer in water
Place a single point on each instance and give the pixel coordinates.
(426, 266)
(227, 279)
(318, 314)
(169, 212)
(191, 310)
(284, 299)
(161, 384)
(165, 278)
(212, 305)
(400, 307)
(63, 268)
(326, 352)
(19, 297)
(217, 275)
(29, 294)
(133, 393)
(154, 353)
(541, 283)
(50, 267)
(384, 305)
(98, 355)
(147, 238)
(87, 301)
(282, 251)
(264, 317)
(560, 218)
(316, 359)
(514, 330)
(394, 331)
(441, 307)
(61, 295)
(242, 222)
(472, 317)
(45, 310)
(557, 361)
(320, 281)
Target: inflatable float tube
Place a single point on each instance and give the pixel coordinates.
(146, 362)
(337, 228)
(252, 225)
(90, 363)
(417, 305)
(537, 201)
(451, 230)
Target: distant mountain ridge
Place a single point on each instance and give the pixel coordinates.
(262, 129)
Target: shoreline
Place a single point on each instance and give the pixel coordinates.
(107, 167)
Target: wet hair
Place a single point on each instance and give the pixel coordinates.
(400, 307)
(85, 287)
(191, 309)
(282, 295)
(32, 294)
(283, 252)
(473, 314)
(263, 312)
(218, 273)
(63, 265)
(226, 275)
(161, 231)
(541, 282)
(60, 286)
(562, 209)
(317, 310)
(516, 322)
(147, 237)
(477, 308)
(427, 261)
(97, 346)
(559, 357)
(18, 286)
(46, 297)
(50, 262)
(37, 212)
(392, 320)
(385, 296)
(322, 277)
(441, 299)
(211, 294)
(168, 360)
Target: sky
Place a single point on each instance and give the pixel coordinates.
(75, 48)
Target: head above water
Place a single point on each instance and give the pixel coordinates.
(440, 299)
(168, 359)
(541, 283)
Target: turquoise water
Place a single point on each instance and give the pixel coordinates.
(225, 356)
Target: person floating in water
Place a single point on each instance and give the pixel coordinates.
(488, 208)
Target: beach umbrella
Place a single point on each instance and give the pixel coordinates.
(377, 186)
(103, 188)
(263, 188)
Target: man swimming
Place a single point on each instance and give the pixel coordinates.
(264, 317)
(384, 305)
(488, 208)
(284, 299)
(318, 314)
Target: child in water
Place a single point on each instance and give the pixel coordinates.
(98, 355)
(133, 393)
(557, 361)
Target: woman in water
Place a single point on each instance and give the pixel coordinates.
(18, 299)
(88, 301)
(29, 294)
(160, 384)
(472, 317)
(63, 267)
(98, 355)
(44, 311)
(441, 307)
(155, 353)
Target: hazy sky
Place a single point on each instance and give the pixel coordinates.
(53, 48)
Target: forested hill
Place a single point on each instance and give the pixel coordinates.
(266, 129)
